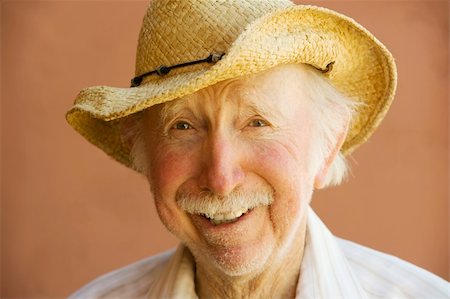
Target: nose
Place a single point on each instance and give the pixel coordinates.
(221, 172)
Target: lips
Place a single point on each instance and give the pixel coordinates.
(234, 232)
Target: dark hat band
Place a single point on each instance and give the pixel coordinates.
(164, 70)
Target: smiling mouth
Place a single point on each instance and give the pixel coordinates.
(222, 218)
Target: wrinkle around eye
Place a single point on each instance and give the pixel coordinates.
(183, 129)
(258, 127)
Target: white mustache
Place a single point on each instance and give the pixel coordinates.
(209, 204)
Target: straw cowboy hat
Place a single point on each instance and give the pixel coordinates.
(186, 45)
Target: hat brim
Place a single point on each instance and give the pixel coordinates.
(363, 70)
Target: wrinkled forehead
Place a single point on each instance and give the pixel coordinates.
(275, 86)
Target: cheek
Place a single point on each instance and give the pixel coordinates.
(167, 215)
(283, 165)
(287, 172)
(176, 221)
(168, 172)
(168, 169)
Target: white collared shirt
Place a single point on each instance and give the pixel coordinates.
(331, 268)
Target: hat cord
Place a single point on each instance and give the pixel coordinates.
(164, 70)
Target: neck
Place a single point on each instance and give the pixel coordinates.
(278, 279)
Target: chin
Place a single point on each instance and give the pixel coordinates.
(244, 260)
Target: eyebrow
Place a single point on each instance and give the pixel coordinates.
(172, 109)
(250, 101)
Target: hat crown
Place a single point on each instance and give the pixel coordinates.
(179, 31)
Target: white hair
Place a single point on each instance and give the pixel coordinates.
(332, 112)
(210, 204)
(330, 108)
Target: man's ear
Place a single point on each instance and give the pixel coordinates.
(128, 130)
(319, 180)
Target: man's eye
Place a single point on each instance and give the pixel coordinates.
(258, 123)
(182, 125)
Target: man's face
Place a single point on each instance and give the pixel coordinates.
(240, 146)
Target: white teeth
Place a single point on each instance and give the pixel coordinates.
(217, 219)
(239, 213)
(229, 216)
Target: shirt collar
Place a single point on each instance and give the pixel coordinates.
(325, 272)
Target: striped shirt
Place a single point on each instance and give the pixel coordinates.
(331, 268)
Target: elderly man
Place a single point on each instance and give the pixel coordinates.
(238, 111)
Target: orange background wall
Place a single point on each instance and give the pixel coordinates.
(69, 213)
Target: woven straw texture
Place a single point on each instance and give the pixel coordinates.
(255, 35)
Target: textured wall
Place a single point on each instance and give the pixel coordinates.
(69, 213)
